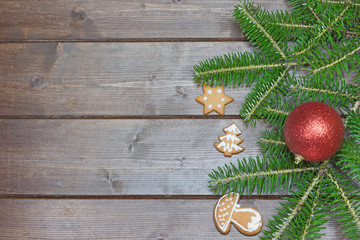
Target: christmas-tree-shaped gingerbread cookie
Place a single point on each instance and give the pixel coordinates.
(229, 143)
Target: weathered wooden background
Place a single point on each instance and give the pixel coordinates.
(101, 137)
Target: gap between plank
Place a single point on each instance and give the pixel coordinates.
(128, 40)
(114, 117)
(137, 197)
(101, 117)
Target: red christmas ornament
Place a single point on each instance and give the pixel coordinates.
(314, 131)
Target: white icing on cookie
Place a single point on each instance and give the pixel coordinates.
(219, 90)
(209, 91)
(205, 98)
(255, 220)
(210, 106)
(221, 221)
(228, 147)
(230, 137)
(223, 99)
(232, 129)
(219, 105)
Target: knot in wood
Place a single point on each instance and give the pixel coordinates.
(79, 14)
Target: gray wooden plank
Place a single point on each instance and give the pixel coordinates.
(108, 78)
(121, 20)
(124, 219)
(114, 157)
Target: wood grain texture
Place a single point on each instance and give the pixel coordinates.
(119, 20)
(114, 157)
(134, 60)
(108, 78)
(124, 219)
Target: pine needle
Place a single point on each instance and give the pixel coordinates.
(254, 21)
(349, 155)
(267, 173)
(233, 69)
(345, 203)
(353, 124)
(295, 217)
(272, 142)
(266, 87)
(333, 91)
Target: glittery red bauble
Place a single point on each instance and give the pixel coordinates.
(314, 130)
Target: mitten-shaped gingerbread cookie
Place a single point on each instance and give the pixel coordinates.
(246, 219)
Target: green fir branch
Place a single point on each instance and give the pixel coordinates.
(304, 27)
(303, 11)
(349, 155)
(284, 23)
(314, 13)
(276, 112)
(272, 142)
(357, 78)
(304, 235)
(319, 34)
(265, 87)
(353, 123)
(233, 69)
(348, 2)
(275, 116)
(267, 173)
(316, 218)
(335, 60)
(348, 24)
(355, 33)
(293, 25)
(292, 217)
(255, 22)
(342, 195)
(331, 9)
(315, 88)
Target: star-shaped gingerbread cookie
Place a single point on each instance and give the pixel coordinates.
(214, 99)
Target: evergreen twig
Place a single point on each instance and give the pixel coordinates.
(345, 204)
(353, 123)
(318, 34)
(273, 142)
(295, 212)
(349, 158)
(316, 88)
(267, 173)
(234, 69)
(316, 218)
(264, 88)
(348, 2)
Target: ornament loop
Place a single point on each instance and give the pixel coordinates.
(298, 158)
